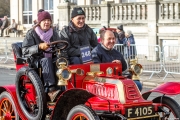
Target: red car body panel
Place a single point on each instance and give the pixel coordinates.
(168, 88)
(117, 68)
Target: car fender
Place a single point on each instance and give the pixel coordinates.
(11, 89)
(167, 88)
(68, 100)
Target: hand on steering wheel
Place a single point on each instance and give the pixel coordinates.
(57, 45)
(44, 46)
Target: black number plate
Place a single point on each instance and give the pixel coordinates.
(139, 111)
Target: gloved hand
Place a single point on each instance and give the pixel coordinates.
(44, 46)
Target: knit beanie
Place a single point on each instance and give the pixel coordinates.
(43, 15)
(120, 27)
(129, 32)
(77, 11)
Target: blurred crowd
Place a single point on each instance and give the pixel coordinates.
(6, 27)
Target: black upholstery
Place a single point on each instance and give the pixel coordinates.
(17, 49)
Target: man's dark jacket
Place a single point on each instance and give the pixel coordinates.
(5, 23)
(77, 38)
(101, 55)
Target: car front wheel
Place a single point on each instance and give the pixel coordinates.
(82, 112)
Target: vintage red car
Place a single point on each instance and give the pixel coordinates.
(90, 92)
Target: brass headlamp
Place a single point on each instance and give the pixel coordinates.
(136, 69)
(63, 73)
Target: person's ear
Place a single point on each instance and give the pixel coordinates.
(102, 40)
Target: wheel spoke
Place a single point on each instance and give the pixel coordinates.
(2, 118)
(10, 107)
(12, 117)
(6, 105)
(3, 111)
(7, 110)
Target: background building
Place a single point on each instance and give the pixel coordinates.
(25, 11)
(153, 22)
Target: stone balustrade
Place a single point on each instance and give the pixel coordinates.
(130, 11)
(169, 10)
(127, 12)
(116, 13)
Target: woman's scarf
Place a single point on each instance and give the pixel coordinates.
(45, 36)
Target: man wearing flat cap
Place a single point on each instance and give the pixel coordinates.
(78, 34)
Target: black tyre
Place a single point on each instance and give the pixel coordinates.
(169, 105)
(82, 112)
(32, 99)
(7, 107)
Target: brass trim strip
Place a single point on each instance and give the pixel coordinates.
(143, 117)
(94, 67)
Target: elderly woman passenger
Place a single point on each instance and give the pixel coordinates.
(35, 43)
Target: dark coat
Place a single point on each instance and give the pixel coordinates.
(130, 51)
(5, 23)
(121, 37)
(30, 46)
(101, 55)
(1, 22)
(77, 38)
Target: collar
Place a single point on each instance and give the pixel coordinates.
(73, 28)
(105, 47)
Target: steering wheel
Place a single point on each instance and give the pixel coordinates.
(57, 45)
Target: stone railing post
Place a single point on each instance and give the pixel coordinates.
(176, 10)
(152, 18)
(105, 14)
(171, 11)
(64, 13)
(167, 11)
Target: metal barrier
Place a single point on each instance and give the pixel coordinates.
(2, 51)
(6, 52)
(149, 56)
(171, 60)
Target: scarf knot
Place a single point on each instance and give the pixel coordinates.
(45, 36)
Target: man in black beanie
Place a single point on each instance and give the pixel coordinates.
(78, 35)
